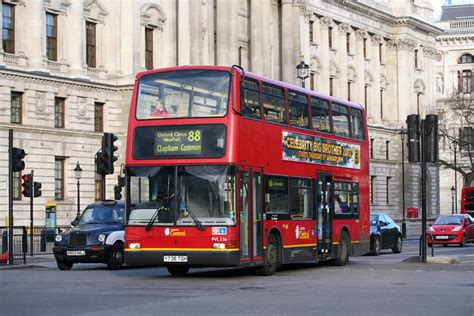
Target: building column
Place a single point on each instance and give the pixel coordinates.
(287, 34)
(325, 23)
(35, 40)
(76, 46)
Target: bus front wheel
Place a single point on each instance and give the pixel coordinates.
(271, 259)
(178, 270)
(343, 250)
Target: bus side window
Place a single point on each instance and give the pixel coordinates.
(299, 114)
(357, 124)
(320, 115)
(276, 194)
(301, 199)
(250, 100)
(274, 104)
(340, 119)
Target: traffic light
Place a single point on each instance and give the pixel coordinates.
(26, 185)
(110, 149)
(413, 132)
(17, 159)
(431, 131)
(101, 162)
(36, 189)
(118, 187)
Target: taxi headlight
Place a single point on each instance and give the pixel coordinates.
(457, 228)
(431, 229)
(58, 238)
(101, 238)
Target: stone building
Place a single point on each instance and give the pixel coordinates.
(67, 72)
(454, 71)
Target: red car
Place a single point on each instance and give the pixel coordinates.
(451, 229)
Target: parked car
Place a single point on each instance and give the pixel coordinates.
(451, 229)
(97, 237)
(384, 234)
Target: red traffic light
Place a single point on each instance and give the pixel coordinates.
(26, 178)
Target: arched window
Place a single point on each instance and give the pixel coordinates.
(466, 59)
(465, 81)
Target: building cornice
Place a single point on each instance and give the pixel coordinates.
(383, 17)
(62, 81)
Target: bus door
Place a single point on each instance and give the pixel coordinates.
(250, 214)
(324, 203)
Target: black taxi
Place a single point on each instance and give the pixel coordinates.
(97, 237)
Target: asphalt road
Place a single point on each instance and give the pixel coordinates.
(383, 285)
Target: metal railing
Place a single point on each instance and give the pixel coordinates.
(38, 241)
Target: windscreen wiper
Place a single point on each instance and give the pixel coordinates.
(152, 220)
(195, 219)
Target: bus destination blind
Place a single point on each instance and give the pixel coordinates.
(178, 143)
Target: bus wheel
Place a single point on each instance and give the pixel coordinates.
(343, 251)
(177, 270)
(271, 260)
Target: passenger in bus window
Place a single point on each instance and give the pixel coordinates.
(159, 110)
(337, 206)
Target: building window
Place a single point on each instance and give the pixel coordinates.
(311, 34)
(348, 42)
(98, 117)
(348, 91)
(381, 104)
(51, 36)
(387, 149)
(372, 190)
(8, 28)
(17, 188)
(330, 37)
(59, 112)
(148, 48)
(465, 81)
(416, 58)
(365, 47)
(16, 107)
(466, 59)
(331, 86)
(98, 187)
(59, 178)
(312, 78)
(418, 103)
(387, 189)
(366, 97)
(91, 44)
(372, 142)
(380, 52)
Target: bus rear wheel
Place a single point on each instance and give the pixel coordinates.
(271, 259)
(178, 270)
(343, 250)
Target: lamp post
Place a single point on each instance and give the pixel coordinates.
(402, 133)
(455, 143)
(453, 193)
(78, 174)
(302, 71)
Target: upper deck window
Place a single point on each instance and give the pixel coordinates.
(299, 114)
(187, 93)
(321, 115)
(274, 104)
(357, 124)
(340, 119)
(250, 99)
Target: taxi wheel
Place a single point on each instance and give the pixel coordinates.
(398, 245)
(376, 246)
(64, 266)
(178, 270)
(115, 260)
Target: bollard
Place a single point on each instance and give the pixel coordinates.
(4, 241)
(24, 244)
(43, 240)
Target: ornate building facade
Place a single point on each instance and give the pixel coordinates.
(67, 75)
(454, 77)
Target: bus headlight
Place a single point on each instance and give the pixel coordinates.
(218, 246)
(101, 238)
(58, 238)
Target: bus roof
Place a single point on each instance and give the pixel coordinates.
(257, 77)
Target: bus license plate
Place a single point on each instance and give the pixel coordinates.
(442, 237)
(75, 253)
(175, 258)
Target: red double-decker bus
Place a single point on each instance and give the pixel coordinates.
(467, 200)
(231, 169)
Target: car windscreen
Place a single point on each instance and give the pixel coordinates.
(102, 214)
(449, 220)
(373, 220)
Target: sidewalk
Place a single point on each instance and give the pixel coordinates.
(44, 261)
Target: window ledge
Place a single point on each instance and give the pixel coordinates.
(13, 59)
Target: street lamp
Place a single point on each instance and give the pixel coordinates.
(455, 143)
(402, 133)
(453, 193)
(302, 71)
(78, 174)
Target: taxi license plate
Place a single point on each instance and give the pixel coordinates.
(175, 258)
(75, 253)
(441, 237)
